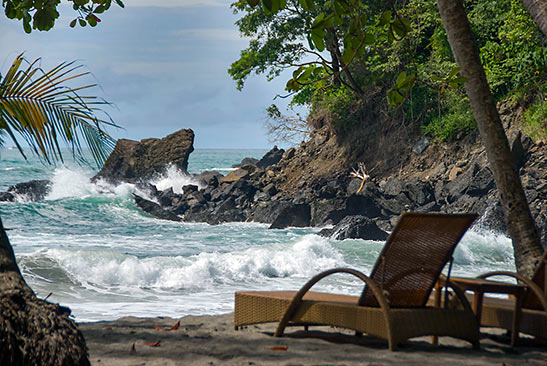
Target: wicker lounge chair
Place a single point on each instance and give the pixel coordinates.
(524, 311)
(392, 305)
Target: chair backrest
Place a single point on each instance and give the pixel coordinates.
(414, 255)
(540, 279)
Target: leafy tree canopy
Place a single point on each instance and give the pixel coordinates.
(42, 14)
(402, 50)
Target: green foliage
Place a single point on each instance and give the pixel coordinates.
(320, 38)
(402, 50)
(39, 108)
(342, 106)
(511, 47)
(42, 14)
(453, 118)
(535, 118)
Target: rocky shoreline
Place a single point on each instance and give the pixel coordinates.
(285, 188)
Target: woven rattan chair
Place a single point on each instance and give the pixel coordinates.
(525, 311)
(392, 305)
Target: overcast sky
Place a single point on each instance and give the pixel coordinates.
(163, 63)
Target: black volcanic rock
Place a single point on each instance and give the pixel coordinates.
(133, 160)
(355, 227)
(271, 157)
(245, 161)
(154, 209)
(296, 215)
(34, 190)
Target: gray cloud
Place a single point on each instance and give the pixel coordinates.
(164, 67)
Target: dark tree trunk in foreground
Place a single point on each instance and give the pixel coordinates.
(33, 331)
(538, 12)
(520, 224)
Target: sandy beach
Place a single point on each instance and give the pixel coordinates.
(212, 340)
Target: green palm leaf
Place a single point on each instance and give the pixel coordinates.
(39, 108)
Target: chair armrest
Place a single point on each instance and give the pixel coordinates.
(459, 293)
(529, 283)
(297, 299)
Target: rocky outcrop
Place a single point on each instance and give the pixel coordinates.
(154, 209)
(272, 157)
(295, 215)
(132, 161)
(34, 190)
(355, 227)
(305, 188)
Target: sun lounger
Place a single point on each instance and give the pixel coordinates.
(393, 304)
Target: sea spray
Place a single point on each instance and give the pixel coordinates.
(174, 178)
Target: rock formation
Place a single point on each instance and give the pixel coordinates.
(132, 161)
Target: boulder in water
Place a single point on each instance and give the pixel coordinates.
(355, 227)
(154, 209)
(34, 190)
(132, 161)
(296, 215)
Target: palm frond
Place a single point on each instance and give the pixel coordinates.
(41, 109)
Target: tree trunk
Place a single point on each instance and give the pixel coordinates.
(33, 331)
(332, 44)
(520, 224)
(538, 12)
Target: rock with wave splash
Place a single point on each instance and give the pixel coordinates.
(355, 227)
(133, 161)
(33, 190)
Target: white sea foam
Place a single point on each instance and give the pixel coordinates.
(107, 269)
(71, 183)
(173, 178)
(76, 183)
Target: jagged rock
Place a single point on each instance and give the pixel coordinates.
(289, 154)
(189, 188)
(270, 189)
(34, 190)
(517, 149)
(420, 146)
(154, 209)
(226, 205)
(297, 215)
(493, 218)
(394, 206)
(393, 187)
(350, 206)
(133, 160)
(270, 158)
(419, 192)
(198, 196)
(233, 215)
(457, 187)
(482, 182)
(353, 186)
(7, 197)
(166, 197)
(355, 227)
(208, 178)
(235, 175)
(261, 196)
(246, 161)
(266, 212)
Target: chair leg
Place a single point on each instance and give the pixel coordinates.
(517, 314)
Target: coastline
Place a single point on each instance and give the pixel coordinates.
(212, 340)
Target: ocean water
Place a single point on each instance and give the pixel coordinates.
(90, 248)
